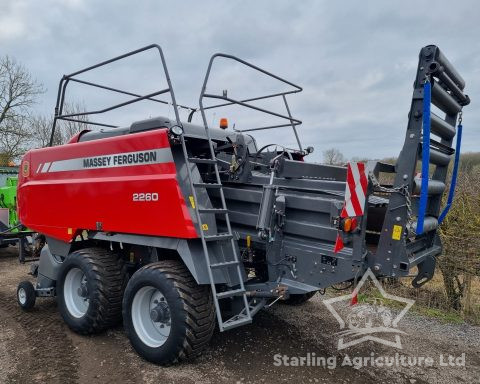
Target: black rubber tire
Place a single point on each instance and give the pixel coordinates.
(31, 296)
(299, 299)
(191, 309)
(106, 280)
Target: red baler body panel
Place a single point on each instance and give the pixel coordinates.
(92, 185)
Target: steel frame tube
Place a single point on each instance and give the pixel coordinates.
(435, 187)
(437, 70)
(443, 100)
(440, 127)
(439, 158)
(450, 69)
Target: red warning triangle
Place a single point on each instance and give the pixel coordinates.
(354, 299)
(338, 244)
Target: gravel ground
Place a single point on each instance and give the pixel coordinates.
(37, 347)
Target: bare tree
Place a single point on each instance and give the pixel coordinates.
(333, 156)
(71, 128)
(15, 138)
(360, 159)
(41, 126)
(18, 93)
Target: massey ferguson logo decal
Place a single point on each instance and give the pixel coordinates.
(130, 159)
(152, 156)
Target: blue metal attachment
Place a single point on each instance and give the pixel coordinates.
(427, 96)
(453, 183)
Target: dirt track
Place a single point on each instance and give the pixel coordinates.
(38, 347)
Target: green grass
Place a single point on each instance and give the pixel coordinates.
(368, 296)
(445, 317)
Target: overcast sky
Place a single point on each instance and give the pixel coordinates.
(356, 60)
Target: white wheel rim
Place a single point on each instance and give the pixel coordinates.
(74, 293)
(150, 332)
(22, 296)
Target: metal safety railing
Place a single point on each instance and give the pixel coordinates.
(72, 78)
(247, 103)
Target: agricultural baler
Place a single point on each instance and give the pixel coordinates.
(174, 226)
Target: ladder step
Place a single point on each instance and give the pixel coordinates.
(220, 236)
(207, 185)
(212, 210)
(233, 292)
(236, 322)
(199, 160)
(224, 264)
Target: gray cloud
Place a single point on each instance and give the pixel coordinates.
(355, 60)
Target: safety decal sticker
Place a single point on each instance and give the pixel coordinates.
(355, 195)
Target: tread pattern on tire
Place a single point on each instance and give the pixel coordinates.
(197, 303)
(109, 281)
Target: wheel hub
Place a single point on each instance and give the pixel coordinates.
(161, 313)
(22, 295)
(151, 316)
(75, 293)
(82, 291)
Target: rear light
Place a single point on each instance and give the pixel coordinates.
(354, 223)
(348, 224)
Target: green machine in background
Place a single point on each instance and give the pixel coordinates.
(11, 230)
(9, 225)
(8, 201)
